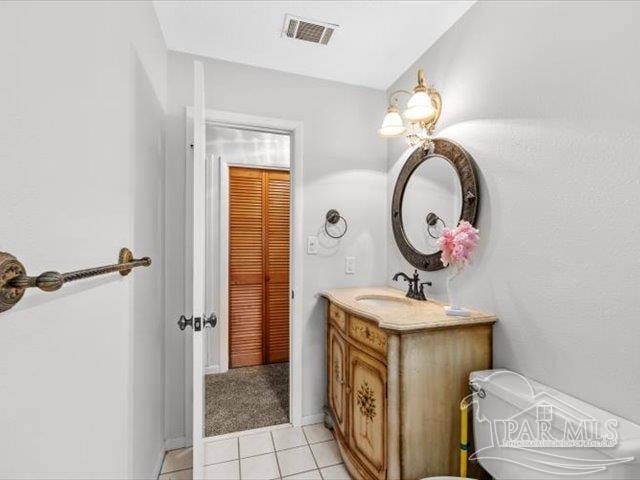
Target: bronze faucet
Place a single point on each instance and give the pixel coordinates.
(416, 288)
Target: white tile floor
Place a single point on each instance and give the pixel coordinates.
(307, 453)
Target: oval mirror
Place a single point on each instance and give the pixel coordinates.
(434, 190)
(432, 200)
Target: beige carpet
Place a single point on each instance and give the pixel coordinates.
(245, 398)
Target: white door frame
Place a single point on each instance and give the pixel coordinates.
(295, 130)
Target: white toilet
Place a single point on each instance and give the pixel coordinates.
(526, 430)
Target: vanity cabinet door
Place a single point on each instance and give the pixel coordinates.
(337, 374)
(368, 411)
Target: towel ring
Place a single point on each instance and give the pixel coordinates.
(432, 221)
(333, 217)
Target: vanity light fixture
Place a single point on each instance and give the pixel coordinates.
(422, 113)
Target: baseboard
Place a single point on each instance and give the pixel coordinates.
(311, 419)
(158, 467)
(211, 369)
(173, 443)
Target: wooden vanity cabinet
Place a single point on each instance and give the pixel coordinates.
(393, 397)
(357, 396)
(367, 410)
(337, 375)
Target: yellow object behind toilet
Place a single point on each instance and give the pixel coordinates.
(464, 436)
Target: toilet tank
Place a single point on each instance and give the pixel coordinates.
(527, 430)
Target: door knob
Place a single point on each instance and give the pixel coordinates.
(184, 321)
(211, 320)
(198, 322)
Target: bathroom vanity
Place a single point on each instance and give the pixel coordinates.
(397, 369)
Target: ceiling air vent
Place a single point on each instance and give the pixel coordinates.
(297, 28)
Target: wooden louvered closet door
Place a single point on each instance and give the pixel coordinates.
(258, 266)
(277, 266)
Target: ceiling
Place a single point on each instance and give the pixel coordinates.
(376, 42)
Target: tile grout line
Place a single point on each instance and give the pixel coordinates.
(260, 454)
(245, 433)
(306, 471)
(236, 458)
(164, 459)
(238, 437)
(239, 462)
(341, 462)
(312, 455)
(275, 453)
(282, 449)
(304, 434)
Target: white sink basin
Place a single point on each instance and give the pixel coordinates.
(382, 301)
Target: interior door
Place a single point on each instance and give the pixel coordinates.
(258, 266)
(246, 267)
(197, 259)
(277, 234)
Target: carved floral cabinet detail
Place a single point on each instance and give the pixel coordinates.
(393, 393)
(367, 410)
(336, 379)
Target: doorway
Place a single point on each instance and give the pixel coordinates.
(258, 266)
(251, 387)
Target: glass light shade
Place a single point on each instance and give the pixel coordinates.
(392, 125)
(419, 107)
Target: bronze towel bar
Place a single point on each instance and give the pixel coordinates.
(14, 279)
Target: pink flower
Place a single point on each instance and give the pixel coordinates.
(458, 244)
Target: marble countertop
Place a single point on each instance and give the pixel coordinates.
(403, 314)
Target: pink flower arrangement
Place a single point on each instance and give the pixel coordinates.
(458, 244)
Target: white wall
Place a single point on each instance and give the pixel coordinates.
(544, 96)
(82, 91)
(249, 147)
(344, 168)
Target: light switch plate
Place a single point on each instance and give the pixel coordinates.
(350, 265)
(312, 245)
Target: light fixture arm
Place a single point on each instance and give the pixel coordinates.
(393, 97)
(436, 101)
(422, 82)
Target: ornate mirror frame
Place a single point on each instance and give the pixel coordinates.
(465, 167)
